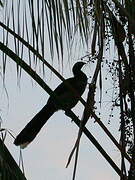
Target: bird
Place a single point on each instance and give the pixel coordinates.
(65, 95)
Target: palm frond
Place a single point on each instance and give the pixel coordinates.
(1, 3)
(34, 75)
(8, 167)
(29, 25)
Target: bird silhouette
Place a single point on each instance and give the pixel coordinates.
(68, 100)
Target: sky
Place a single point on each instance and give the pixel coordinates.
(46, 157)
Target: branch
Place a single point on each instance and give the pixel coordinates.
(36, 77)
(94, 141)
(42, 84)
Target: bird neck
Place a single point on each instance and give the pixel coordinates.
(78, 72)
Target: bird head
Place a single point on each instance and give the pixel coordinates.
(77, 67)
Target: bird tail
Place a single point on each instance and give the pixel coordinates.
(33, 127)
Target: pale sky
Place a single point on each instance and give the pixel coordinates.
(46, 156)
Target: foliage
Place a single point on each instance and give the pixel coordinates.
(98, 25)
(8, 167)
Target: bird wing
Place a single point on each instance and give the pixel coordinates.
(66, 96)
